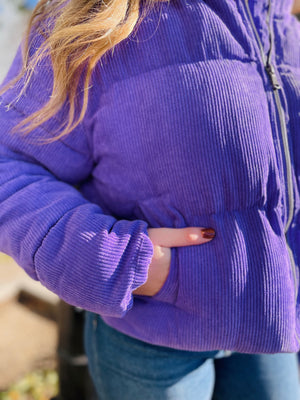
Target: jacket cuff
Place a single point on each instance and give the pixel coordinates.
(144, 258)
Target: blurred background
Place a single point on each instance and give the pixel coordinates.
(28, 312)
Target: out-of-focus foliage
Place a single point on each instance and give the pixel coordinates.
(40, 385)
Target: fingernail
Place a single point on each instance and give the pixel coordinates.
(208, 233)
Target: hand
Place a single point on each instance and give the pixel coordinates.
(163, 239)
(296, 7)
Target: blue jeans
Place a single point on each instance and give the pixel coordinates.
(124, 368)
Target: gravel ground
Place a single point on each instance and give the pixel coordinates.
(27, 343)
(28, 338)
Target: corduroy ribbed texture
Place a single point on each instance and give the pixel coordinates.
(182, 130)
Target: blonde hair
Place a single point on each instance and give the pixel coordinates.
(80, 33)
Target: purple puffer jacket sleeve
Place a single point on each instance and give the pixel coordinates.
(58, 237)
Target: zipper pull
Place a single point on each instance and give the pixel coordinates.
(273, 77)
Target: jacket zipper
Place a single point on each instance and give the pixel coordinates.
(276, 87)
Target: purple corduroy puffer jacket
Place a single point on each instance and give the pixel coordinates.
(193, 121)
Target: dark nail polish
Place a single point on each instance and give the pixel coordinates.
(208, 233)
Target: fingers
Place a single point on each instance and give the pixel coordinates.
(171, 237)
